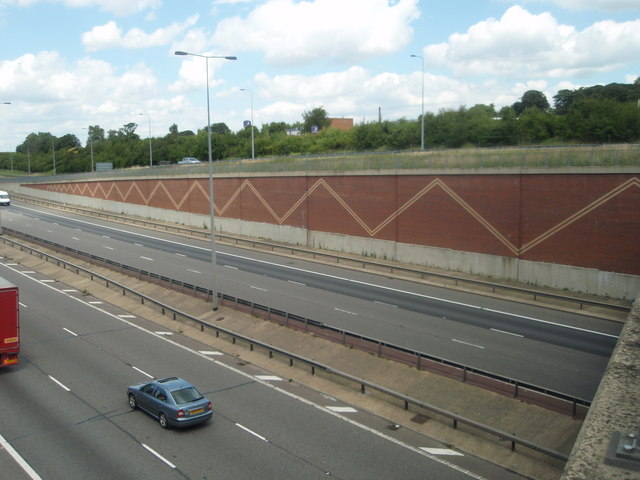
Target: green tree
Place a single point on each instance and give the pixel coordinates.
(531, 99)
(317, 117)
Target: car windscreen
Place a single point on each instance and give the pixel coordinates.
(186, 395)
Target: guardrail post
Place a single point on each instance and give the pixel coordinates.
(455, 423)
(362, 388)
(513, 445)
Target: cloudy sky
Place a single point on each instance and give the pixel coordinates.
(68, 64)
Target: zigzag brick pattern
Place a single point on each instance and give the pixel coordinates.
(590, 220)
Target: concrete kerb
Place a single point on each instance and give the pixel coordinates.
(547, 428)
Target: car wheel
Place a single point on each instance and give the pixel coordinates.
(132, 401)
(164, 423)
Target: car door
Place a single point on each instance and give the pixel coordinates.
(145, 399)
(158, 401)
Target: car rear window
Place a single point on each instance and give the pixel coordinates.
(186, 395)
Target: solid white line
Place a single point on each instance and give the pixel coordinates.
(141, 371)
(507, 333)
(72, 333)
(467, 343)
(164, 333)
(19, 460)
(126, 316)
(69, 290)
(158, 455)
(60, 384)
(210, 352)
(48, 280)
(251, 432)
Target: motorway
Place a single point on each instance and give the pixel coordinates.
(66, 414)
(557, 350)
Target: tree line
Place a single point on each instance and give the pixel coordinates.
(598, 114)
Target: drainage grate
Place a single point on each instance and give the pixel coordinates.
(420, 419)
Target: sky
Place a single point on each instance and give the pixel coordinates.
(68, 64)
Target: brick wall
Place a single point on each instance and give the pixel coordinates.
(584, 220)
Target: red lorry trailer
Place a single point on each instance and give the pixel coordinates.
(9, 323)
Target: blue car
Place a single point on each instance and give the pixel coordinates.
(173, 401)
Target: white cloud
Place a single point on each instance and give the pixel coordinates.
(521, 44)
(357, 94)
(110, 35)
(117, 7)
(49, 94)
(297, 33)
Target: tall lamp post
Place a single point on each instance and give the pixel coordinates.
(11, 153)
(422, 115)
(253, 150)
(214, 290)
(150, 150)
(5, 103)
(53, 151)
(90, 144)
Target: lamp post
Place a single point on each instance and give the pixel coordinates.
(11, 153)
(53, 151)
(214, 290)
(88, 129)
(422, 115)
(253, 150)
(150, 151)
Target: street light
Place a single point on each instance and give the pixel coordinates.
(150, 151)
(11, 153)
(90, 144)
(422, 116)
(214, 290)
(253, 150)
(53, 151)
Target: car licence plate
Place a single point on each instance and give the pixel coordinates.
(196, 411)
